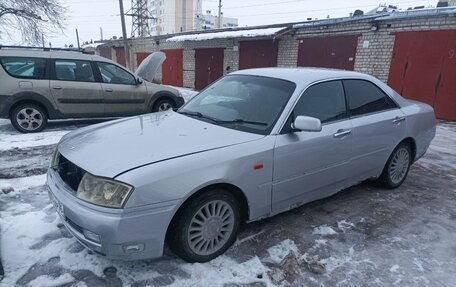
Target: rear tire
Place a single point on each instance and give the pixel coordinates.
(206, 227)
(28, 118)
(397, 167)
(163, 105)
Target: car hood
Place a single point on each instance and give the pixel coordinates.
(111, 148)
(150, 66)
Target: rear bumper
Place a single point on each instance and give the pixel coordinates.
(131, 235)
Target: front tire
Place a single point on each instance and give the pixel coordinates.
(397, 167)
(206, 227)
(163, 105)
(28, 118)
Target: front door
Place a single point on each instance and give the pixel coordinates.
(312, 165)
(122, 95)
(74, 88)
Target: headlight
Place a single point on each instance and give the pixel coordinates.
(104, 192)
(55, 159)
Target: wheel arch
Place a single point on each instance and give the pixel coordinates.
(231, 188)
(33, 98)
(160, 96)
(412, 143)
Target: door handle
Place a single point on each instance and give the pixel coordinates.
(398, 120)
(341, 133)
(109, 90)
(57, 87)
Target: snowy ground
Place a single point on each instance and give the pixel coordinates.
(363, 236)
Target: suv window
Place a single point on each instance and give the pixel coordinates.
(324, 101)
(21, 67)
(113, 74)
(365, 97)
(74, 70)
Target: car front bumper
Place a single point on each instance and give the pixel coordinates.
(124, 234)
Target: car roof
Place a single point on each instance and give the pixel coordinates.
(303, 76)
(52, 54)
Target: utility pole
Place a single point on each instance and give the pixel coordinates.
(77, 39)
(124, 35)
(220, 14)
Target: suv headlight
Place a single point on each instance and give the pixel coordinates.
(102, 191)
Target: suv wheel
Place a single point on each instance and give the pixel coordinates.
(163, 105)
(28, 118)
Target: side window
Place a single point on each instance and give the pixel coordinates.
(74, 70)
(21, 67)
(113, 74)
(365, 97)
(324, 101)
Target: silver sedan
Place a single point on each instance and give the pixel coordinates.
(254, 144)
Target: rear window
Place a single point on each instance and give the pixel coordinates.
(22, 67)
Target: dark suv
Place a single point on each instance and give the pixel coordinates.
(39, 85)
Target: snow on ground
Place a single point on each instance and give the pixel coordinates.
(30, 140)
(363, 236)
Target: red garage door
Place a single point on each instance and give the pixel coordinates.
(258, 54)
(328, 52)
(140, 57)
(423, 68)
(120, 56)
(208, 66)
(172, 68)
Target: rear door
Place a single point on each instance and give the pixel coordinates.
(122, 95)
(312, 165)
(74, 87)
(378, 126)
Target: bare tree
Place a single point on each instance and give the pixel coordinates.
(32, 18)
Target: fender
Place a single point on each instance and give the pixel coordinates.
(10, 101)
(177, 100)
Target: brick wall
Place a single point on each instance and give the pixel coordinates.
(373, 53)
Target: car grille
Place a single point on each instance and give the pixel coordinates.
(70, 173)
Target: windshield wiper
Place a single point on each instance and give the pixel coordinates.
(217, 121)
(241, 121)
(198, 115)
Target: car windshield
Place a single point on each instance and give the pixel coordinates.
(242, 102)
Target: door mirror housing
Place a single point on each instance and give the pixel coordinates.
(307, 124)
(139, 81)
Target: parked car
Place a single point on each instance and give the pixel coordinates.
(39, 85)
(253, 144)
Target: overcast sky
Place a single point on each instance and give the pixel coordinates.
(89, 15)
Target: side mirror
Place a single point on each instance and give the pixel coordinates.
(139, 81)
(308, 124)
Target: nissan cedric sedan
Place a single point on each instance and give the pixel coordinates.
(254, 144)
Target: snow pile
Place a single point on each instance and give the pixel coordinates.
(226, 34)
(323, 230)
(30, 140)
(278, 252)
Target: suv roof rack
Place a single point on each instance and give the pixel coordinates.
(43, 48)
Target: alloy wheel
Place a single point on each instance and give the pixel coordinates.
(29, 118)
(399, 165)
(211, 227)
